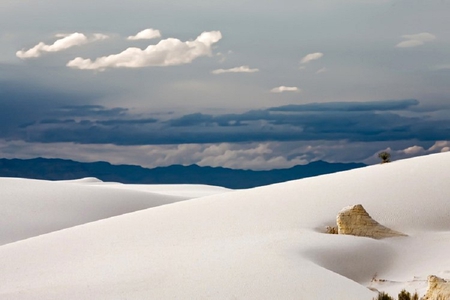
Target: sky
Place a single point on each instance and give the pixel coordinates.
(240, 84)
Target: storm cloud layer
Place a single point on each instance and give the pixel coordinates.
(354, 121)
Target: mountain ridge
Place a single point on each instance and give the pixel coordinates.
(65, 169)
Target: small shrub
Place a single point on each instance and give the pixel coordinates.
(332, 230)
(384, 296)
(404, 295)
(385, 157)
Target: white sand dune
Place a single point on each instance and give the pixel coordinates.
(181, 190)
(33, 207)
(261, 243)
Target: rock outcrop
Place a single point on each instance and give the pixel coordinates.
(354, 220)
(438, 288)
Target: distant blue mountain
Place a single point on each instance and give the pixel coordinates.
(60, 169)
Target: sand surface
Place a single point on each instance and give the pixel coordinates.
(261, 243)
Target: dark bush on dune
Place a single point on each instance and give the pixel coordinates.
(403, 295)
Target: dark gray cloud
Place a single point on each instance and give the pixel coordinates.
(23, 103)
(89, 111)
(385, 105)
(128, 121)
(376, 121)
(53, 121)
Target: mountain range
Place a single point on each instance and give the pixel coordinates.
(61, 169)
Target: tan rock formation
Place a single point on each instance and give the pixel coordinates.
(354, 220)
(438, 289)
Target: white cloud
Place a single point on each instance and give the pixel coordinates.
(311, 57)
(146, 34)
(414, 40)
(283, 88)
(440, 146)
(168, 52)
(442, 67)
(323, 70)
(412, 151)
(99, 37)
(223, 56)
(256, 156)
(241, 69)
(409, 44)
(65, 41)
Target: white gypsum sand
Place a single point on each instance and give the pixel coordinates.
(261, 243)
(181, 190)
(33, 207)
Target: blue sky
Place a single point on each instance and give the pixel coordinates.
(241, 84)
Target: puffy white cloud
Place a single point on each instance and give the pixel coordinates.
(241, 69)
(414, 40)
(283, 88)
(98, 36)
(257, 156)
(146, 34)
(311, 57)
(168, 52)
(440, 146)
(412, 151)
(65, 41)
